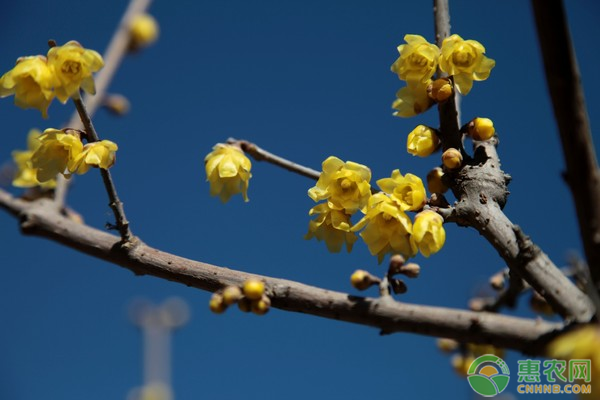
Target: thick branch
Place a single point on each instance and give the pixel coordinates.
(564, 83)
(40, 218)
(481, 190)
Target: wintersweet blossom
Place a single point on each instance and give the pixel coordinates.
(331, 226)
(26, 175)
(465, 61)
(412, 100)
(422, 141)
(228, 171)
(72, 67)
(56, 153)
(31, 82)
(387, 229)
(418, 60)
(143, 30)
(428, 232)
(97, 154)
(345, 185)
(407, 191)
(579, 344)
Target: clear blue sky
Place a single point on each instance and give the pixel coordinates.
(305, 80)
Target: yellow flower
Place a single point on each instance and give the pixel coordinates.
(580, 343)
(418, 60)
(228, 171)
(481, 129)
(25, 177)
(97, 154)
(332, 226)
(387, 228)
(407, 191)
(422, 141)
(412, 100)
(143, 30)
(428, 232)
(72, 66)
(56, 154)
(345, 185)
(31, 82)
(464, 60)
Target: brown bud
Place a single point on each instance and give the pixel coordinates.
(396, 262)
(498, 281)
(411, 270)
(398, 286)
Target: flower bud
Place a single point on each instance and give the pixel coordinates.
(540, 305)
(398, 286)
(411, 270)
(396, 262)
(447, 345)
(254, 289)
(461, 364)
(143, 31)
(422, 141)
(245, 304)
(498, 281)
(362, 280)
(231, 294)
(452, 158)
(477, 304)
(261, 306)
(481, 129)
(434, 181)
(117, 104)
(216, 304)
(440, 90)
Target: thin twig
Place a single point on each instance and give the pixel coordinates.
(262, 155)
(528, 335)
(114, 202)
(564, 83)
(114, 54)
(449, 109)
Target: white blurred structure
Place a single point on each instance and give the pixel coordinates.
(157, 323)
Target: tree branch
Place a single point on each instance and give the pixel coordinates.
(41, 219)
(114, 54)
(262, 155)
(564, 83)
(114, 202)
(481, 190)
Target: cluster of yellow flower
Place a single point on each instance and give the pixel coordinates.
(251, 297)
(59, 152)
(228, 171)
(387, 228)
(36, 80)
(463, 60)
(580, 343)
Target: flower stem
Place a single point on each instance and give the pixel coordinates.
(115, 203)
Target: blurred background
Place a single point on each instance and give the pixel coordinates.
(305, 80)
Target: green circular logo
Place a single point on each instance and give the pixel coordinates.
(488, 375)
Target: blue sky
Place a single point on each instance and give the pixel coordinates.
(302, 79)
